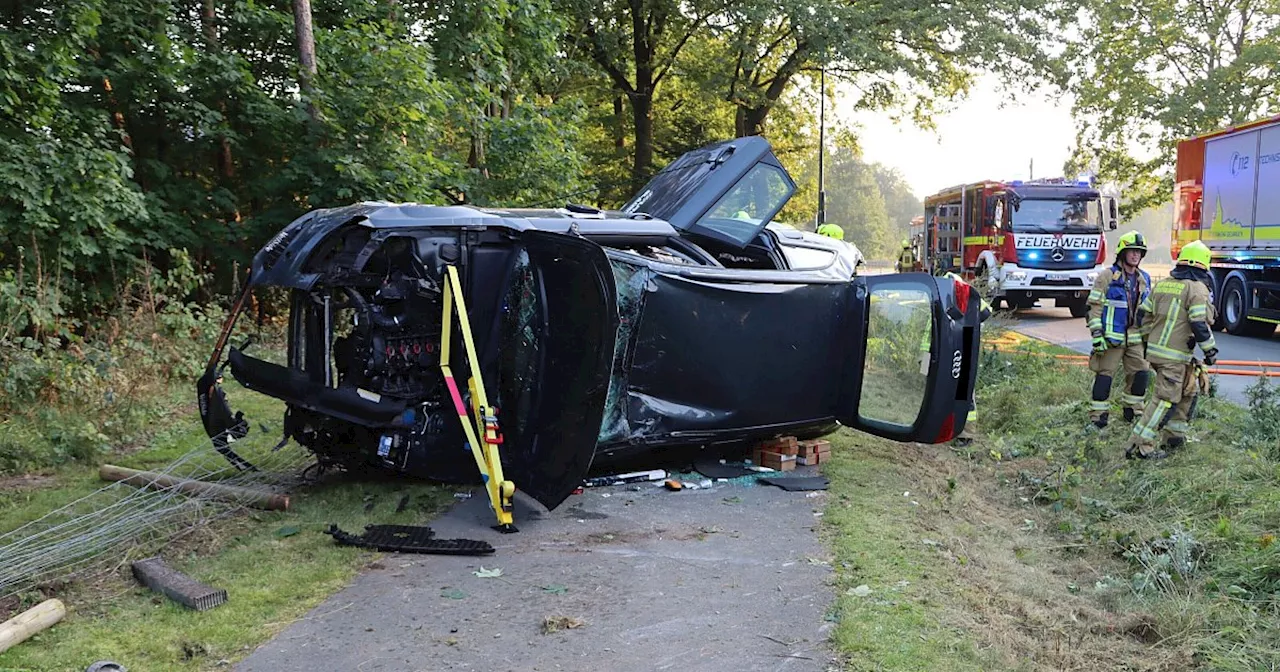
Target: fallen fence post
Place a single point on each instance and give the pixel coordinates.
(32, 621)
(231, 493)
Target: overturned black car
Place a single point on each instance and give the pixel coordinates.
(421, 337)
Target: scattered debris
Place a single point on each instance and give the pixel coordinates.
(462, 495)
(630, 477)
(160, 577)
(555, 589)
(31, 622)
(797, 483)
(552, 624)
(288, 531)
(408, 539)
(453, 594)
(488, 573)
(861, 591)
(106, 666)
(719, 469)
(673, 484)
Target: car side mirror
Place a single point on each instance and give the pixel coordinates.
(1114, 214)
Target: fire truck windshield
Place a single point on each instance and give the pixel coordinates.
(1057, 216)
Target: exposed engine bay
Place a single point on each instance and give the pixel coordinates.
(434, 340)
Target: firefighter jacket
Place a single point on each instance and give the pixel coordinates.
(906, 260)
(1114, 302)
(1176, 316)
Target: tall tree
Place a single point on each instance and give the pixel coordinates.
(1146, 73)
(636, 43)
(305, 37)
(891, 51)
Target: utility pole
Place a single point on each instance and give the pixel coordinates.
(1031, 169)
(822, 149)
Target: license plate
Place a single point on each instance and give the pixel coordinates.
(1057, 276)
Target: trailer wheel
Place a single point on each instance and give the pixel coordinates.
(1235, 311)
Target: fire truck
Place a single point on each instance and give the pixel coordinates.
(1227, 193)
(1022, 241)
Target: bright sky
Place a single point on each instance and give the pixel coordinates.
(975, 140)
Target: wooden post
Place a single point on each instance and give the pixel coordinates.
(230, 493)
(32, 621)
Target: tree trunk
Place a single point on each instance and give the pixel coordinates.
(619, 127)
(30, 622)
(752, 120)
(642, 111)
(306, 50)
(258, 499)
(209, 26)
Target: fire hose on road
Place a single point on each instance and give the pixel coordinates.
(1010, 345)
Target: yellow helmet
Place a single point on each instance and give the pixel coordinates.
(831, 231)
(1132, 241)
(1195, 254)
(905, 243)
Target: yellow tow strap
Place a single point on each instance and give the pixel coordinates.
(501, 491)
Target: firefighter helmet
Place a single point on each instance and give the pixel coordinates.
(1132, 241)
(1195, 254)
(831, 231)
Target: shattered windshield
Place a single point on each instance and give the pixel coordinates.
(1057, 216)
(749, 205)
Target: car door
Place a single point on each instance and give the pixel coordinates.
(911, 372)
(724, 193)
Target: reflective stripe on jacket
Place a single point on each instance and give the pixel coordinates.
(1109, 303)
(1170, 309)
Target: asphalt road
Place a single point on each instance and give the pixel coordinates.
(729, 578)
(1057, 326)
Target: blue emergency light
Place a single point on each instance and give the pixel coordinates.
(1082, 256)
(1033, 255)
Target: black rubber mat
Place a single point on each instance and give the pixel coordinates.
(408, 539)
(711, 468)
(796, 483)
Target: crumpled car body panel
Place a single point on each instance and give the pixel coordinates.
(598, 334)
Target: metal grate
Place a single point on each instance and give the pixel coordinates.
(177, 586)
(408, 539)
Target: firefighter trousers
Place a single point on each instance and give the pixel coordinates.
(1105, 365)
(1167, 414)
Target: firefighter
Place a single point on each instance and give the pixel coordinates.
(1113, 310)
(831, 231)
(1175, 318)
(906, 259)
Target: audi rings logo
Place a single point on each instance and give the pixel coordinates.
(1057, 255)
(955, 365)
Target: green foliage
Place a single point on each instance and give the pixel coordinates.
(72, 395)
(1262, 429)
(1146, 73)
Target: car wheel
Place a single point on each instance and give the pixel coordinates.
(1080, 309)
(1235, 312)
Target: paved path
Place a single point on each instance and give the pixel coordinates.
(731, 578)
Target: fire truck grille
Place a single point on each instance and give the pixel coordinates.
(1065, 282)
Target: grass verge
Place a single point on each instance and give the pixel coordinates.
(1039, 547)
(275, 566)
